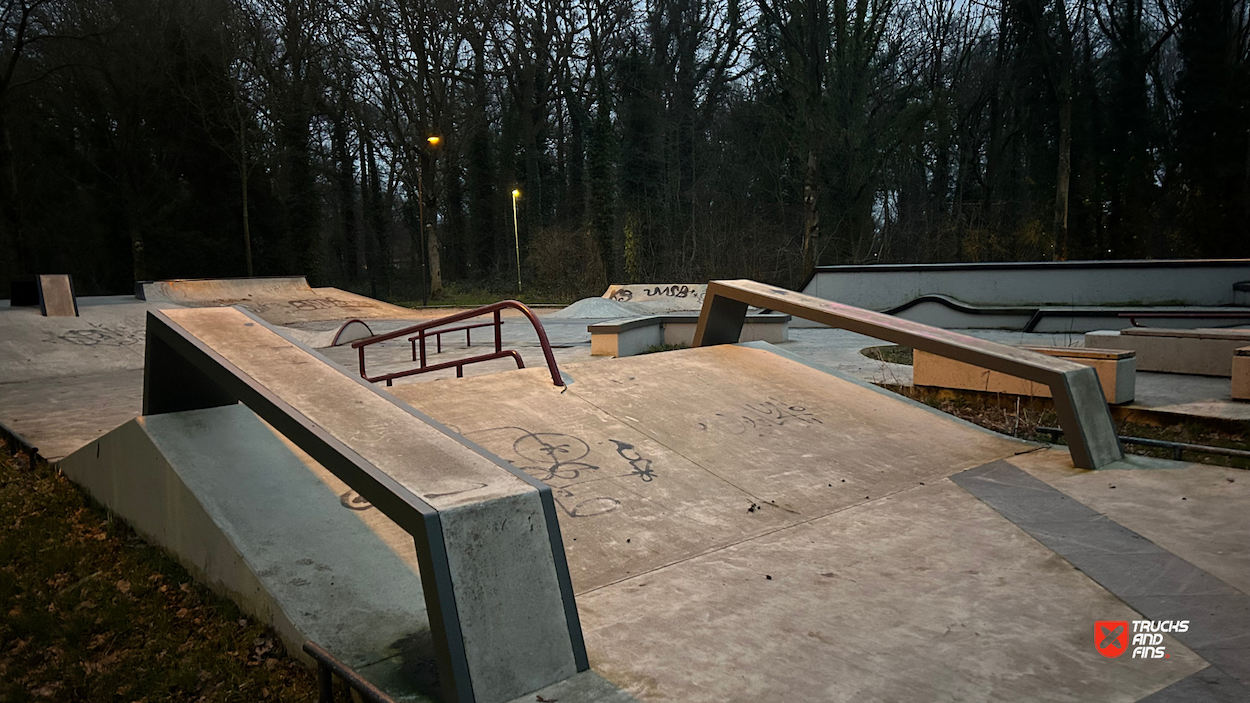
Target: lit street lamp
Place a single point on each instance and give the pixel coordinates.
(516, 234)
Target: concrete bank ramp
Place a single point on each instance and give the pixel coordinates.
(280, 300)
(250, 514)
(741, 526)
(693, 450)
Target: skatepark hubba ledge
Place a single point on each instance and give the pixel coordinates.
(722, 523)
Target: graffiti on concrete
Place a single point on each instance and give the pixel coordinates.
(768, 414)
(325, 304)
(101, 336)
(641, 466)
(564, 462)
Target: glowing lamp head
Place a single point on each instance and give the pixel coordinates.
(516, 193)
(434, 140)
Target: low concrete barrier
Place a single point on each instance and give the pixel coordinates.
(1241, 374)
(1116, 371)
(635, 335)
(1201, 352)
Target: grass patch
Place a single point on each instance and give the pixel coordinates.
(90, 612)
(892, 353)
(662, 348)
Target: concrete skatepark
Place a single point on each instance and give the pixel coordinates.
(728, 522)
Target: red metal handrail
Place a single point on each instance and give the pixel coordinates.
(459, 364)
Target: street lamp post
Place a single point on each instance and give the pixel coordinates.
(516, 234)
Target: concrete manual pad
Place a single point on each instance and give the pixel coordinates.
(657, 458)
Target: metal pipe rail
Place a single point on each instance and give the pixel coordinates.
(1178, 448)
(1078, 397)
(328, 666)
(459, 364)
(438, 337)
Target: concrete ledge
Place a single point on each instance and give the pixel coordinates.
(1201, 352)
(1116, 369)
(493, 570)
(1241, 374)
(635, 335)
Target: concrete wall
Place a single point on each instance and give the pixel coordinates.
(1176, 282)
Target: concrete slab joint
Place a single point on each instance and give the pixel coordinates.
(492, 564)
(1078, 396)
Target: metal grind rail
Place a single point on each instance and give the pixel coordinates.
(328, 666)
(1178, 448)
(427, 329)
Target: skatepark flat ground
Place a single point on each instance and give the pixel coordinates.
(743, 525)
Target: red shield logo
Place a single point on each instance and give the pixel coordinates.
(1111, 637)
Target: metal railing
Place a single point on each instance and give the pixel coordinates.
(1178, 448)
(328, 666)
(421, 331)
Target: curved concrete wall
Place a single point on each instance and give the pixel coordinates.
(1138, 282)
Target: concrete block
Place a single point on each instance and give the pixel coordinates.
(1116, 371)
(622, 338)
(1241, 374)
(1201, 352)
(626, 340)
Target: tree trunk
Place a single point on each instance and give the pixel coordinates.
(10, 219)
(1064, 173)
(243, 178)
(811, 212)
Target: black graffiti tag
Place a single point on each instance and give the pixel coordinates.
(642, 467)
